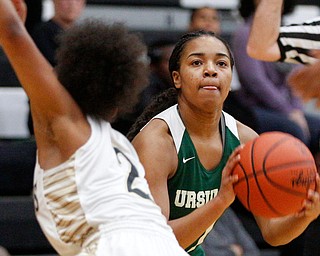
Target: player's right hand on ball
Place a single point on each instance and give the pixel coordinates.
(226, 192)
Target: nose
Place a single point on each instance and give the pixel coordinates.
(210, 71)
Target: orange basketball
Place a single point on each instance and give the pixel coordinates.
(275, 172)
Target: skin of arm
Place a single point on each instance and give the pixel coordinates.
(157, 153)
(57, 118)
(262, 43)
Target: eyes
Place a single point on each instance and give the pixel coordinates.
(219, 63)
(196, 63)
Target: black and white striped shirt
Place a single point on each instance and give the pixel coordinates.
(295, 40)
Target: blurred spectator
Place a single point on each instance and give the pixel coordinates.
(66, 13)
(205, 18)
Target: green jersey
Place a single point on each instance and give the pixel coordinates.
(192, 185)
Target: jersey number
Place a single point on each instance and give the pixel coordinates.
(133, 174)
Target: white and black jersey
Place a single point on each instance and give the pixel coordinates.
(99, 203)
(296, 40)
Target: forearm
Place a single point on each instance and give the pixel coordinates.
(280, 231)
(13, 37)
(262, 43)
(190, 227)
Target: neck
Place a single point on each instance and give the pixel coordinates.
(200, 123)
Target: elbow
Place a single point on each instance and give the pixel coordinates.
(271, 241)
(254, 52)
(270, 54)
(275, 240)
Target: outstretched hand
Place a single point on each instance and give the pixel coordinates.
(306, 81)
(21, 9)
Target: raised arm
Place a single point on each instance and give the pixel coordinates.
(262, 43)
(54, 111)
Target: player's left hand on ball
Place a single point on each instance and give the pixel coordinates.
(311, 205)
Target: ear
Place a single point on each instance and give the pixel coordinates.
(176, 79)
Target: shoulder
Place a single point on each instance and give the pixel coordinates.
(245, 133)
(155, 132)
(155, 142)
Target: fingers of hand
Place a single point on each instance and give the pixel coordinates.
(232, 162)
(234, 159)
(313, 197)
(311, 205)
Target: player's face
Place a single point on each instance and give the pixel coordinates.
(205, 72)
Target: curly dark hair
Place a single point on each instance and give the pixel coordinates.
(103, 66)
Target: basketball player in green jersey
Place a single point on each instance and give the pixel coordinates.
(189, 149)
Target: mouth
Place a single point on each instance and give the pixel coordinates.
(210, 87)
